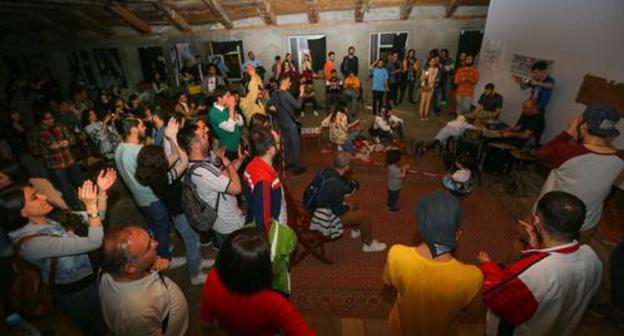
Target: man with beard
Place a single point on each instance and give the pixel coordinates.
(152, 208)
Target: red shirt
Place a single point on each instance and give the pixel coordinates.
(264, 313)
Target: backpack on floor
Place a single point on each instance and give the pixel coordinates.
(312, 191)
(28, 294)
(200, 214)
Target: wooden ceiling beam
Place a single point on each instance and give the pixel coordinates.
(174, 17)
(406, 9)
(133, 20)
(57, 27)
(216, 8)
(452, 7)
(266, 12)
(312, 9)
(359, 10)
(92, 23)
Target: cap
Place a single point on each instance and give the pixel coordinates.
(601, 120)
(438, 215)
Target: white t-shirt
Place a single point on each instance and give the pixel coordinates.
(140, 307)
(212, 183)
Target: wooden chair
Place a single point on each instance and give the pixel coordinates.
(308, 242)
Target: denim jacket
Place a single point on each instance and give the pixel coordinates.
(71, 250)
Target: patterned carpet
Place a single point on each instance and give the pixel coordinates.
(352, 286)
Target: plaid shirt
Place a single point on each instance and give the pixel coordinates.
(42, 137)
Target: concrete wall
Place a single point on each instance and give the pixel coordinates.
(427, 27)
(580, 36)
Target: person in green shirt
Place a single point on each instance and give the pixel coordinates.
(225, 122)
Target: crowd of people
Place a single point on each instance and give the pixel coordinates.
(211, 165)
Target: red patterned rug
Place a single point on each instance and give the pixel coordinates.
(352, 286)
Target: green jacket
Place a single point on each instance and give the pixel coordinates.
(283, 242)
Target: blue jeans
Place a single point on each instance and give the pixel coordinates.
(157, 217)
(83, 307)
(191, 242)
(67, 181)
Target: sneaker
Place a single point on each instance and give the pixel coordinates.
(206, 263)
(374, 246)
(176, 262)
(355, 233)
(198, 279)
(316, 113)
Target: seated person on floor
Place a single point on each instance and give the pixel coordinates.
(386, 126)
(341, 131)
(460, 182)
(490, 104)
(309, 96)
(453, 128)
(330, 199)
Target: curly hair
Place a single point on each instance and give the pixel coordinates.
(151, 165)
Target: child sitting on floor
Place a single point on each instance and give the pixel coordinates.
(396, 175)
(460, 182)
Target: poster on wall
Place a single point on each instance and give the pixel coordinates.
(152, 63)
(80, 69)
(521, 65)
(186, 64)
(111, 70)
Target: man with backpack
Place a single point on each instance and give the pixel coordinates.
(329, 199)
(209, 192)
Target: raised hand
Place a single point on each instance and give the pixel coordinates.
(531, 232)
(87, 193)
(483, 257)
(106, 178)
(171, 131)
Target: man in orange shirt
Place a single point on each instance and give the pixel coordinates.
(466, 79)
(329, 64)
(352, 90)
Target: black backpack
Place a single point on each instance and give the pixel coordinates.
(312, 191)
(200, 214)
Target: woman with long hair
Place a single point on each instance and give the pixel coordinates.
(306, 66)
(163, 175)
(238, 296)
(58, 252)
(429, 81)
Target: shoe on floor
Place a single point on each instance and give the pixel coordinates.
(299, 170)
(198, 279)
(374, 246)
(176, 262)
(206, 263)
(355, 233)
(316, 113)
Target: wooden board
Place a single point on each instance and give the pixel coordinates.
(598, 90)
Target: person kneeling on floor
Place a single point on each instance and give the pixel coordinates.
(330, 199)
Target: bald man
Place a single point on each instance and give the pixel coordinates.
(136, 299)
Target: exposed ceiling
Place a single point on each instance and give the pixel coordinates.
(37, 20)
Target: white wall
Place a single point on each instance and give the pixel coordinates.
(581, 36)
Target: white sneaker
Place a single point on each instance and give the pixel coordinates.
(315, 113)
(374, 246)
(198, 279)
(177, 262)
(206, 263)
(355, 233)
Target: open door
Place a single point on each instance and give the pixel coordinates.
(470, 42)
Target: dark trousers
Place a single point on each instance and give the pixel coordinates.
(378, 97)
(393, 198)
(392, 96)
(157, 217)
(83, 307)
(435, 100)
(292, 145)
(331, 100)
(67, 181)
(311, 99)
(409, 86)
(617, 276)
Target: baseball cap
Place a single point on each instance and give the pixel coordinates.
(601, 120)
(438, 215)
